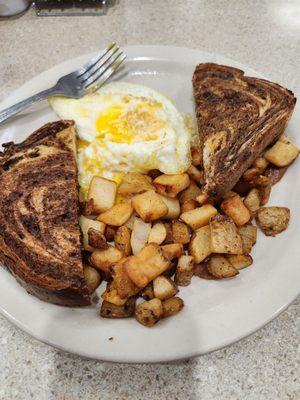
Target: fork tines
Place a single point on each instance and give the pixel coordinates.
(100, 68)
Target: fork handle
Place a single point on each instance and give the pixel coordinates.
(22, 105)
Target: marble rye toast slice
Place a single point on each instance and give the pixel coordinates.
(40, 239)
(237, 117)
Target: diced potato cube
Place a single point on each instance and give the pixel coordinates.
(235, 209)
(188, 206)
(145, 266)
(180, 232)
(172, 251)
(171, 185)
(248, 234)
(109, 310)
(92, 278)
(129, 223)
(282, 153)
(164, 288)
(196, 155)
(252, 200)
(97, 240)
(261, 164)
(199, 217)
(264, 194)
(184, 270)
(200, 245)
(149, 206)
(158, 233)
(111, 295)
(172, 306)
(134, 183)
(190, 193)
(103, 192)
(196, 175)
(240, 261)
(224, 236)
(169, 237)
(273, 220)
(122, 240)
(117, 215)
(201, 271)
(140, 234)
(85, 224)
(104, 259)
(220, 267)
(203, 198)
(122, 283)
(173, 207)
(149, 312)
(251, 174)
(147, 293)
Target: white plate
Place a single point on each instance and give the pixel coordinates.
(216, 313)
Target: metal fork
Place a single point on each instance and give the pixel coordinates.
(84, 80)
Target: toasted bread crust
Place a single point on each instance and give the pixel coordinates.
(40, 239)
(237, 117)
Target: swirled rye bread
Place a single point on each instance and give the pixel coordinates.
(237, 117)
(40, 239)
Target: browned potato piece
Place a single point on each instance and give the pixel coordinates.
(252, 200)
(196, 175)
(172, 251)
(184, 271)
(235, 209)
(190, 193)
(146, 265)
(123, 284)
(181, 233)
(97, 240)
(224, 236)
(248, 234)
(200, 216)
(261, 164)
(149, 206)
(282, 153)
(109, 310)
(172, 306)
(158, 233)
(251, 174)
(85, 224)
(274, 174)
(139, 235)
(200, 245)
(200, 270)
(196, 155)
(261, 180)
(109, 233)
(104, 259)
(112, 296)
(92, 278)
(171, 185)
(103, 192)
(169, 237)
(164, 288)
(147, 293)
(173, 207)
(203, 198)
(273, 220)
(117, 215)
(122, 240)
(149, 312)
(264, 194)
(240, 261)
(188, 206)
(134, 183)
(220, 267)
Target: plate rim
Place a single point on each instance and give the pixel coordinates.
(143, 358)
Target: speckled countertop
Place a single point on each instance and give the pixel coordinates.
(262, 34)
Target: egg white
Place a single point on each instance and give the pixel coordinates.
(149, 134)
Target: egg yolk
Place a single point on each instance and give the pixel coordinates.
(122, 125)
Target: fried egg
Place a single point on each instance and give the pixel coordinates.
(123, 128)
